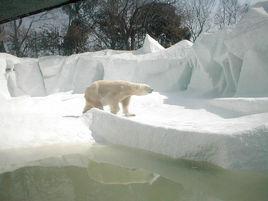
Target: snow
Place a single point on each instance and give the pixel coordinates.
(190, 130)
(262, 4)
(149, 46)
(230, 58)
(217, 65)
(241, 106)
(210, 101)
(53, 119)
(258, 86)
(92, 71)
(29, 78)
(6, 63)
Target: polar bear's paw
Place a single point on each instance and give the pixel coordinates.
(130, 115)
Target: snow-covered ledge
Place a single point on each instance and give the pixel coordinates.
(238, 147)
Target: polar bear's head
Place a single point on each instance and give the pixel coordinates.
(142, 89)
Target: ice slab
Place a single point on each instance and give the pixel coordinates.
(241, 106)
(32, 122)
(45, 155)
(29, 78)
(87, 71)
(187, 131)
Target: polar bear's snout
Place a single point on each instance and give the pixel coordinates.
(148, 89)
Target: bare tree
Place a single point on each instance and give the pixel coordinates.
(79, 26)
(199, 15)
(122, 24)
(50, 40)
(112, 23)
(17, 36)
(18, 33)
(229, 12)
(44, 41)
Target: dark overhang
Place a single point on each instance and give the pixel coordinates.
(15, 9)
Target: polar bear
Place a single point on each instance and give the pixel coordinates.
(113, 92)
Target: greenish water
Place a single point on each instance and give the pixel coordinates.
(106, 173)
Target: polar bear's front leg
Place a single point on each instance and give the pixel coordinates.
(125, 104)
(87, 107)
(114, 108)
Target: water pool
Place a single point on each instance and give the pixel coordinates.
(111, 173)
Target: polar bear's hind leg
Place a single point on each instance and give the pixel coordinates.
(114, 108)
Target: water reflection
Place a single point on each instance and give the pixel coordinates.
(122, 174)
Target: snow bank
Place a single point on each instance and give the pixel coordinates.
(50, 68)
(253, 77)
(92, 71)
(218, 65)
(164, 70)
(32, 122)
(29, 79)
(241, 106)
(76, 72)
(233, 143)
(234, 62)
(150, 45)
(6, 65)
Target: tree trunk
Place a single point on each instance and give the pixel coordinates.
(132, 42)
(2, 47)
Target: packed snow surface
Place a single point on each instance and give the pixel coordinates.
(54, 119)
(192, 129)
(210, 101)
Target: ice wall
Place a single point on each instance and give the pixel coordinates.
(234, 62)
(3, 78)
(229, 63)
(52, 74)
